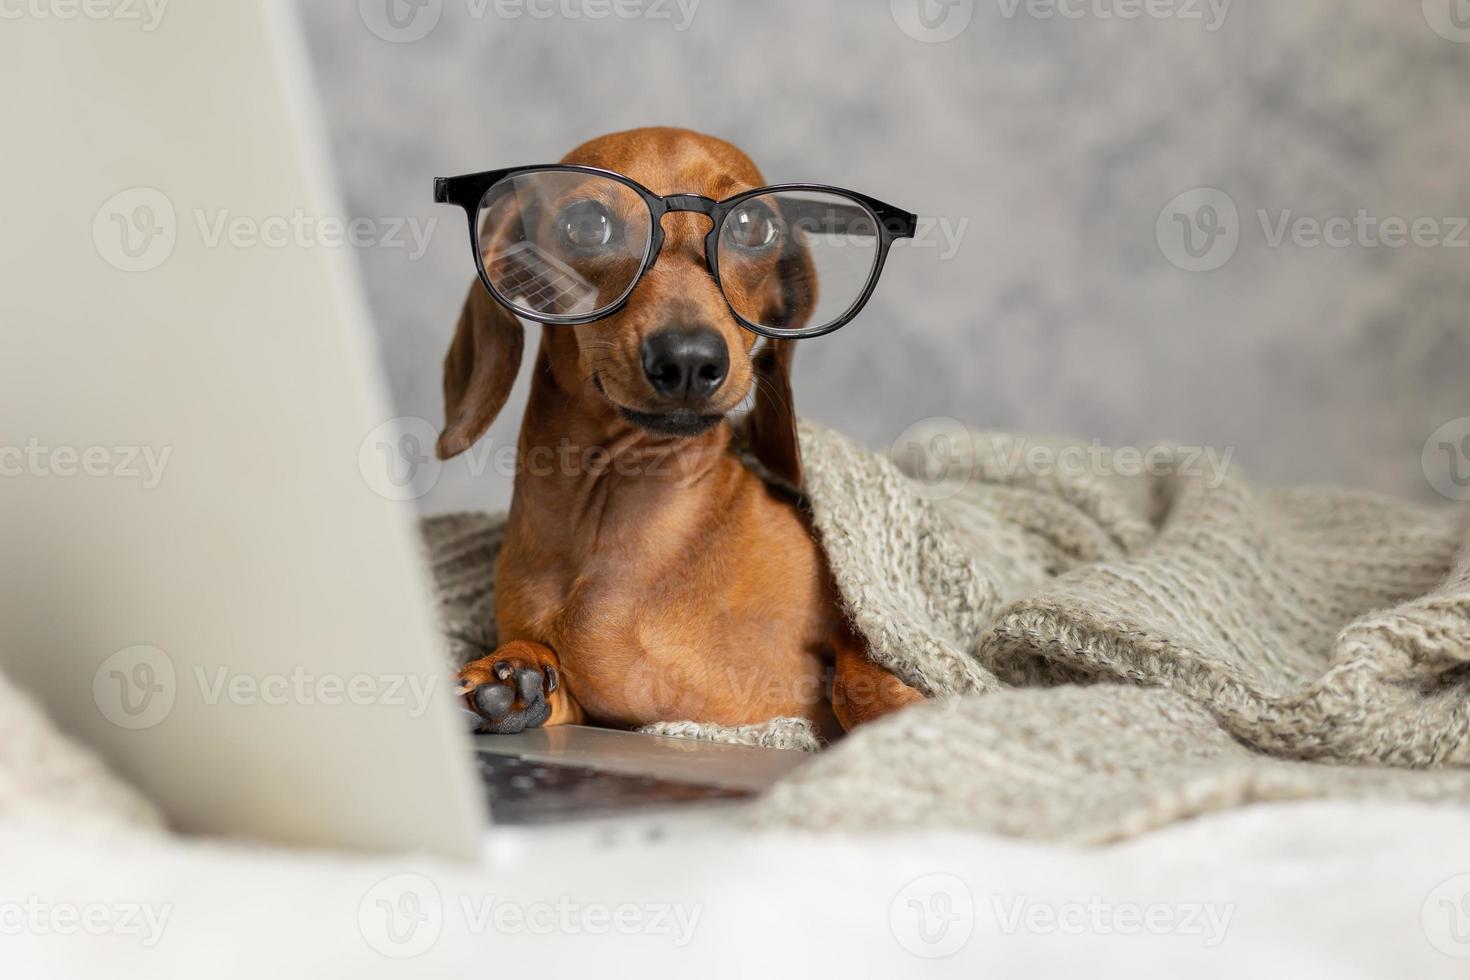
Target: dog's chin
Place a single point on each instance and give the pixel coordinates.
(681, 423)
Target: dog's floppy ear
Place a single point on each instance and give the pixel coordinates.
(479, 370)
(771, 428)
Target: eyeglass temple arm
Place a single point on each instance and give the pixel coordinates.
(461, 191)
(902, 223)
(466, 190)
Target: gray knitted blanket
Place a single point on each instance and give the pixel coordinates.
(1113, 640)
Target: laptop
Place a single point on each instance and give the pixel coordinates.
(198, 581)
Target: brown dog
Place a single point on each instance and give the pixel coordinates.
(647, 574)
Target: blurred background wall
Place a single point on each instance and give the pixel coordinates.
(1061, 146)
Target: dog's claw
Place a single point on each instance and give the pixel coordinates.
(553, 680)
(503, 670)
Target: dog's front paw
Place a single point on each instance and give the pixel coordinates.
(510, 693)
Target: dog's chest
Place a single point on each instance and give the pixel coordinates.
(687, 626)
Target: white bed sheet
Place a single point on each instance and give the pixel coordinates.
(1301, 890)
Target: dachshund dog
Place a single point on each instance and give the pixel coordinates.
(648, 572)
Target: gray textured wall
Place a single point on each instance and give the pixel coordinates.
(1055, 143)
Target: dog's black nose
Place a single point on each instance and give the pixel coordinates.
(686, 364)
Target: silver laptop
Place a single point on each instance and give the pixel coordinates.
(198, 582)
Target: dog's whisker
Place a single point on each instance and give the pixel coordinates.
(771, 391)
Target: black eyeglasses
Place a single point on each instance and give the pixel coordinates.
(568, 244)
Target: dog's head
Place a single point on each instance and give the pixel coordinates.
(674, 360)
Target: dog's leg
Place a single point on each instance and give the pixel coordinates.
(519, 686)
(862, 691)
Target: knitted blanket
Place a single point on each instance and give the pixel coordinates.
(1113, 639)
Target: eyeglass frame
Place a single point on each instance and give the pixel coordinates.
(468, 191)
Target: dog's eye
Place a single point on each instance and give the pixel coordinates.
(587, 226)
(752, 227)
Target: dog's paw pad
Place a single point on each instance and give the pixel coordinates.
(493, 700)
(508, 695)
